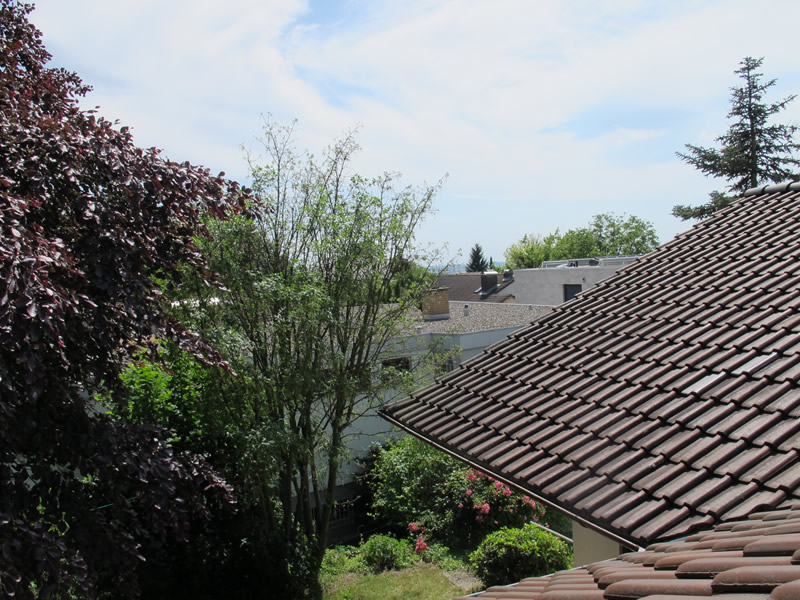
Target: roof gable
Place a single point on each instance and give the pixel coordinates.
(661, 400)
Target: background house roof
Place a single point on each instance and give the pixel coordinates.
(464, 286)
(663, 400)
(744, 561)
(483, 317)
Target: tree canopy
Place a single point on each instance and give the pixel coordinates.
(606, 235)
(90, 228)
(477, 261)
(304, 320)
(753, 151)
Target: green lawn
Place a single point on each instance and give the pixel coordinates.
(422, 582)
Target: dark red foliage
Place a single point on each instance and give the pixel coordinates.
(89, 224)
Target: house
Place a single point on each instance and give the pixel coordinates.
(556, 281)
(660, 402)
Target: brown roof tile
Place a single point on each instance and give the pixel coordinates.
(684, 570)
(671, 384)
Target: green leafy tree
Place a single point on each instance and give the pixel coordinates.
(616, 235)
(606, 235)
(304, 322)
(531, 251)
(753, 151)
(477, 261)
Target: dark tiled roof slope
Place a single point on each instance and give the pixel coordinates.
(758, 558)
(663, 400)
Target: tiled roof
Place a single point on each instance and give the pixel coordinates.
(660, 401)
(758, 558)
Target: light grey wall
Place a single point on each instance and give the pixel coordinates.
(546, 286)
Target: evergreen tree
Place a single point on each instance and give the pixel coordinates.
(477, 262)
(752, 152)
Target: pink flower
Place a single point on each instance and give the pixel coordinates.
(478, 518)
(469, 492)
(498, 485)
(507, 492)
(421, 545)
(413, 527)
(491, 478)
(478, 473)
(485, 508)
(471, 476)
(526, 499)
(460, 505)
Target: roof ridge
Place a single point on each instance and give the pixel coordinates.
(788, 186)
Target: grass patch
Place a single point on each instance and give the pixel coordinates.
(422, 582)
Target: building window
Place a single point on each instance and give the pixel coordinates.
(571, 290)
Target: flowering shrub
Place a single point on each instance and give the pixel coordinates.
(422, 489)
(485, 505)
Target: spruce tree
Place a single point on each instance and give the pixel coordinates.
(752, 152)
(477, 262)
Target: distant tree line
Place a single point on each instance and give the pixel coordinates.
(606, 235)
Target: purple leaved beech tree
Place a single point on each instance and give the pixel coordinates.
(90, 225)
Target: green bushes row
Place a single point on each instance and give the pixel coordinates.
(504, 556)
(385, 553)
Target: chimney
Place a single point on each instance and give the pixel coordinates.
(436, 305)
(489, 283)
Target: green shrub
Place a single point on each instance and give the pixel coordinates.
(384, 553)
(407, 483)
(509, 555)
(341, 559)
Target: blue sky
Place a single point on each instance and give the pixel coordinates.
(541, 113)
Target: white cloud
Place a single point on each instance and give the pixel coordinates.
(508, 97)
